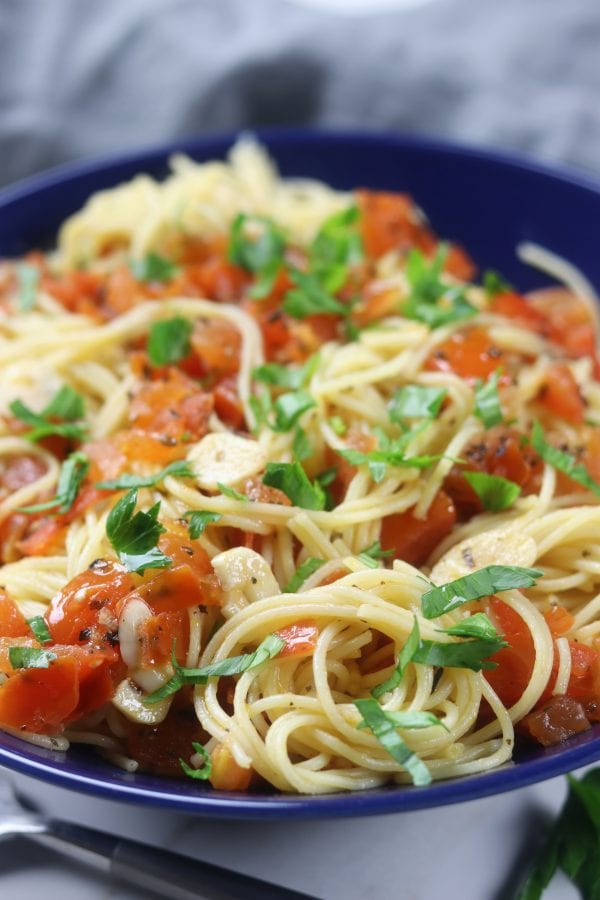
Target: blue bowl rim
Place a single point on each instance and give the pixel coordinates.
(392, 799)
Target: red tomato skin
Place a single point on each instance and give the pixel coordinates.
(300, 639)
(412, 539)
(12, 620)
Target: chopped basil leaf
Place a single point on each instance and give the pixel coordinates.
(308, 568)
(564, 462)
(232, 493)
(572, 843)
(202, 774)
(496, 493)
(261, 406)
(483, 583)
(295, 484)
(336, 247)
(471, 654)
(178, 469)
(257, 245)
(288, 408)
(475, 626)
(72, 472)
(374, 552)
(494, 283)
(487, 401)
(338, 425)
(410, 719)
(383, 726)
(391, 454)
(28, 279)
(416, 401)
(270, 647)
(431, 300)
(310, 298)
(40, 629)
(406, 654)
(30, 658)
(66, 404)
(301, 446)
(153, 267)
(291, 377)
(134, 535)
(169, 340)
(199, 519)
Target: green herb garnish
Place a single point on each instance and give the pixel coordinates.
(178, 469)
(431, 300)
(28, 279)
(483, 583)
(169, 341)
(232, 493)
(295, 484)
(72, 472)
(199, 519)
(383, 725)
(564, 462)
(270, 647)
(202, 774)
(257, 244)
(67, 406)
(487, 401)
(40, 629)
(371, 555)
(416, 401)
(30, 658)
(134, 535)
(304, 571)
(496, 493)
(153, 267)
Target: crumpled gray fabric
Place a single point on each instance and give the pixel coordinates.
(83, 77)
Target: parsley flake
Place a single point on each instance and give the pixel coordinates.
(169, 340)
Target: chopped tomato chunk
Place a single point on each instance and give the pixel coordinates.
(179, 588)
(226, 774)
(557, 720)
(300, 639)
(515, 662)
(559, 620)
(560, 395)
(470, 354)
(171, 408)
(228, 405)
(217, 344)
(88, 607)
(158, 748)
(412, 539)
(12, 620)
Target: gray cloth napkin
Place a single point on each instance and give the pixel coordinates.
(82, 77)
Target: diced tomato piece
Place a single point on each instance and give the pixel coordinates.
(515, 306)
(560, 394)
(41, 700)
(179, 588)
(459, 263)
(345, 471)
(228, 406)
(226, 774)
(498, 452)
(171, 408)
(559, 620)
(469, 354)
(591, 454)
(300, 639)
(258, 492)
(12, 620)
(107, 459)
(571, 324)
(390, 221)
(88, 607)
(122, 291)
(160, 633)
(515, 662)
(78, 291)
(177, 544)
(217, 344)
(412, 539)
(44, 536)
(557, 720)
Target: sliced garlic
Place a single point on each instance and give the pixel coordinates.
(134, 613)
(498, 547)
(245, 577)
(226, 459)
(130, 701)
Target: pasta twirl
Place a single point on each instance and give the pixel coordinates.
(289, 494)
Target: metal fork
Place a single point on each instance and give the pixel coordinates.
(166, 873)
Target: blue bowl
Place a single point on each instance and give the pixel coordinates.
(487, 201)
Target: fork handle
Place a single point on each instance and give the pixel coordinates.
(166, 873)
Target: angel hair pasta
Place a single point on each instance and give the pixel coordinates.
(290, 494)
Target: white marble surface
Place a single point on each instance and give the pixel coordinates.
(470, 851)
